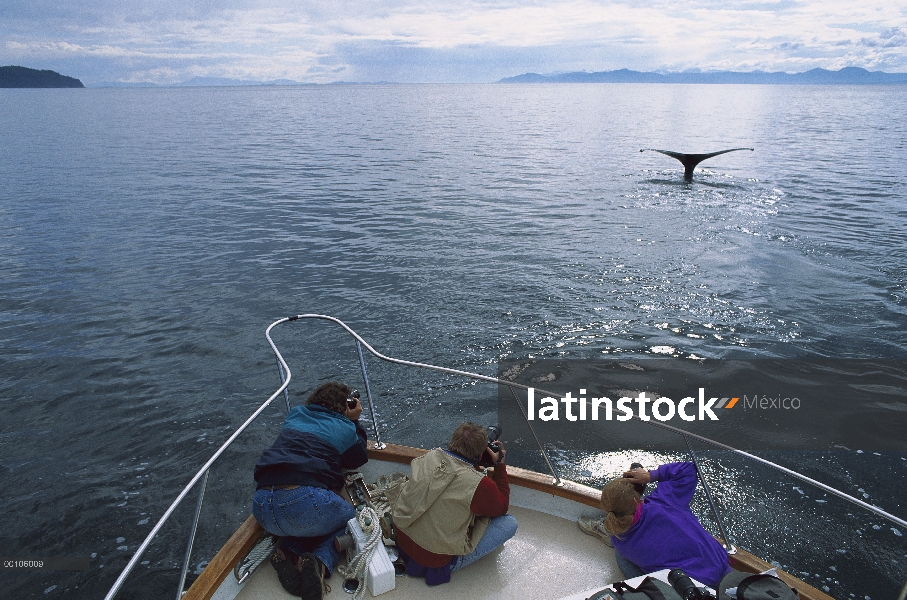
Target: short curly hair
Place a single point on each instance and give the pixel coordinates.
(468, 440)
(330, 395)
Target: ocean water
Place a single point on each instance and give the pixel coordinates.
(148, 237)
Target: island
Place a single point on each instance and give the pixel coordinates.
(845, 76)
(23, 77)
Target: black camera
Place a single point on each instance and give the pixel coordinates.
(494, 433)
(351, 401)
(639, 487)
(684, 586)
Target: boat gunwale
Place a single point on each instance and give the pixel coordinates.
(244, 538)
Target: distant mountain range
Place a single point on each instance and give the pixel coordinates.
(23, 77)
(217, 82)
(201, 82)
(846, 76)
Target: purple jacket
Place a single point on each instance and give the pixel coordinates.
(668, 535)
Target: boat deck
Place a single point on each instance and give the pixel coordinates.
(548, 558)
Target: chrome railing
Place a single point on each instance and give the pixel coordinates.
(286, 376)
(203, 472)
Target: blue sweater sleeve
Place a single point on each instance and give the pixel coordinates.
(676, 483)
(357, 454)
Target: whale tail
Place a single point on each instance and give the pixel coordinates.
(689, 161)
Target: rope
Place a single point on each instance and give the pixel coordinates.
(259, 553)
(358, 566)
(377, 491)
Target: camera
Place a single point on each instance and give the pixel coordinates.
(684, 586)
(639, 487)
(494, 433)
(351, 401)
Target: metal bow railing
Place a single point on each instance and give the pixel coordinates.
(286, 376)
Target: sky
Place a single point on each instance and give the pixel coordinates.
(321, 41)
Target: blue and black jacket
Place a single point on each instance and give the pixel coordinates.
(313, 446)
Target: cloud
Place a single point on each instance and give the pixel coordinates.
(433, 40)
(892, 38)
(66, 48)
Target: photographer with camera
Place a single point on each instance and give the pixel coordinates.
(660, 531)
(450, 514)
(299, 479)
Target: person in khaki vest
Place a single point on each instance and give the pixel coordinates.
(450, 513)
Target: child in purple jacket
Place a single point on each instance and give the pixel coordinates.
(660, 531)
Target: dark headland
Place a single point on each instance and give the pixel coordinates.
(846, 76)
(23, 77)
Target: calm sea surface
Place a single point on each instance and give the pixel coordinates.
(148, 237)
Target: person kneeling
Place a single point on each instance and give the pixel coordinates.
(299, 480)
(660, 531)
(449, 514)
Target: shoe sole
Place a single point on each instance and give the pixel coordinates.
(312, 577)
(290, 579)
(596, 534)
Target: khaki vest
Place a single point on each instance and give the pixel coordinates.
(433, 506)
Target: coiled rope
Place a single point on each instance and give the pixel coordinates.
(378, 491)
(259, 553)
(358, 566)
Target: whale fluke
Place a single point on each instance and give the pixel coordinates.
(690, 161)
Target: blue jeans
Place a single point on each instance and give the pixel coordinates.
(630, 570)
(317, 514)
(500, 529)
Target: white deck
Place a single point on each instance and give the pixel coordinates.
(548, 558)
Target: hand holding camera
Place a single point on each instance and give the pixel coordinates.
(353, 407)
(495, 453)
(497, 457)
(638, 475)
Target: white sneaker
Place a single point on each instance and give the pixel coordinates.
(595, 526)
